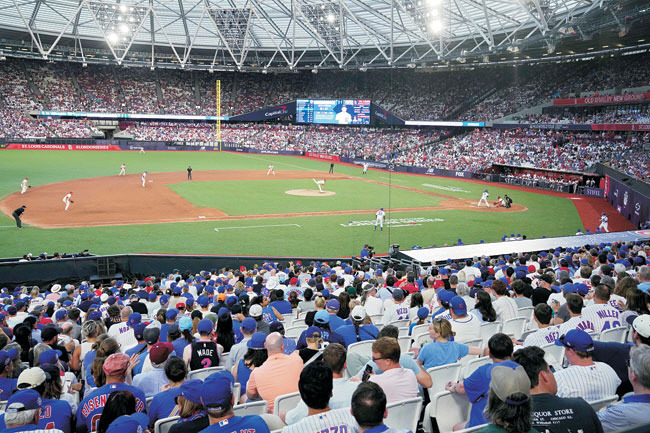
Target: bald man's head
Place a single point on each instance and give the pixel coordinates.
(274, 343)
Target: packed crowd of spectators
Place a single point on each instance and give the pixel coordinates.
(525, 328)
(617, 116)
(178, 92)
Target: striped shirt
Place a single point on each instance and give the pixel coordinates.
(123, 333)
(338, 420)
(591, 382)
(506, 308)
(542, 337)
(603, 316)
(579, 322)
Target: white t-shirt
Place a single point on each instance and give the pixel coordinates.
(559, 297)
(374, 306)
(505, 307)
(395, 312)
(466, 328)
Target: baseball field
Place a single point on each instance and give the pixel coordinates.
(232, 207)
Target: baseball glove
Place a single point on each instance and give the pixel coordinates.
(29, 186)
(71, 201)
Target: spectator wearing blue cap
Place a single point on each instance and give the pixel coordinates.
(584, 377)
(152, 304)
(255, 356)
(193, 417)
(138, 333)
(332, 308)
(23, 413)
(321, 323)
(466, 326)
(217, 399)
(203, 353)
(170, 317)
(7, 385)
(237, 351)
(164, 403)
(123, 332)
(444, 297)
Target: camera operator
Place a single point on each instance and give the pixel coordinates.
(367, 252)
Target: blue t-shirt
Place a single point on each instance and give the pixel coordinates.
(87, 363)
(7, 387)
(477, 387)
(283, 307)
(437, 354)
(236, 424)
(55, 414)
(336, 322)
(135, 349)
(91, 407)
(163, 332)
(163, 404)
(349, 334)
(268, 316)
(243, 374)
(180, 344)
(329, 336)
(138, 367)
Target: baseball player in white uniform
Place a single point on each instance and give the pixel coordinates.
(24, 185)
(67, 199)
(603, 222)
(144, 178)
(365, 167)
(123, 170)
(379, 219)
(271, 170)
(483, 199)
(320, 183)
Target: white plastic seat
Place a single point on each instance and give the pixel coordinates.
(376, 318)
(419, 329)
(452, 409)
(441, 375)
(526, 334)
(163, 425)
(488, 329)
(288, 318)
(203, 373)
(615, 335)
(421, 340)
(285, 402)
(236, 391)
(404, 414)
(471, 366)
(363, 348)
(603, 402)
(526, 313)
(252, 408)
(403, 331)
(514, 326)
(554, 355)
(400, 323)
(404, 343)
(223, 358)
(294, 331)
(149, 402)
(297, 322)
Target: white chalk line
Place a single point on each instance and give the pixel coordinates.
(393, 180)
(256, 227)
(276, 162)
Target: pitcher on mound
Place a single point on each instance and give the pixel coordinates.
(320, 184)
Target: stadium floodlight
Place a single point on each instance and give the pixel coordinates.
(233, 26)
(119, 23)
(436, 26)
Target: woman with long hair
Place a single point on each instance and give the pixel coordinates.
(89, 332)
(118, 403)
(60, 406)
(106, 348)
(484, 309)
(623, 285)
(225, 335)
(254, 357)
(417, 302)
(636, 304)
(344, 308)
(441, 351)
(22, 335)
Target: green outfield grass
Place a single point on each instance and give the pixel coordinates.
(332, 235)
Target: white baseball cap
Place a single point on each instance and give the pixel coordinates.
(358, 313)
(104, 297)
(255, 310)
(642, 325)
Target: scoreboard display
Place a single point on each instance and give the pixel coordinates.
(333, 111)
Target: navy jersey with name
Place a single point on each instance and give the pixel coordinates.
(239, 424)
(91, 407)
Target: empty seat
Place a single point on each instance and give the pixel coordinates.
(404, 414)
(252, 408)
(514, 326)
(163, 425)
(441, 375)
(362, 348)
(285, 402)
(203, 373)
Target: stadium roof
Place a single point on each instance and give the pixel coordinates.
(292, 34)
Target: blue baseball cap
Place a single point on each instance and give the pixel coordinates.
(458, 305)
(248, 324)
(95, 315)
(217, 390)
(445, 295)
(60, 315)
(205, 326)
(6, 356)
(152, 297)
(49, 356)
(257, 341)
(191, 390)
(203, 301)
(581, 288)
(26, 399)
(135, 423)
(576, 339)
(138, 331)
(134, 319)
(322, 317)
(164, 299)
(171, 314)
(333, 304)
(423, 312)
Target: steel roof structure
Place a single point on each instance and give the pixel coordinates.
(293, 34)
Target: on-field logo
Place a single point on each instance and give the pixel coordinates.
(395, 222)
(444, 188)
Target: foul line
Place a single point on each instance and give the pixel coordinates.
(256, 227)
(393, 180)
(277, 162)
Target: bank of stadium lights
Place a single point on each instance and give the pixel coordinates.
(118, 21)
(325, 18)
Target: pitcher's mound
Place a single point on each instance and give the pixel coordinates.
(309, 193)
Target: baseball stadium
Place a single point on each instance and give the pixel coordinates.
(465, 181)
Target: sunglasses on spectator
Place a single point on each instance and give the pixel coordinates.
(377, 359)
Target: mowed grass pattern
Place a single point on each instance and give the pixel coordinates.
(314, 236)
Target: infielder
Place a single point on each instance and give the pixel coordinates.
(144, 178)
(320, 183)
(271, 170)
(67, 199)
(483, 199)
(24, 185)
(379, 220)
(365, 167)
(603, 222)
(122, 170)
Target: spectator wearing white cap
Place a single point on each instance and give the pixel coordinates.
(584, 377)
(634, 409)
(360, 330)
(257, 313)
